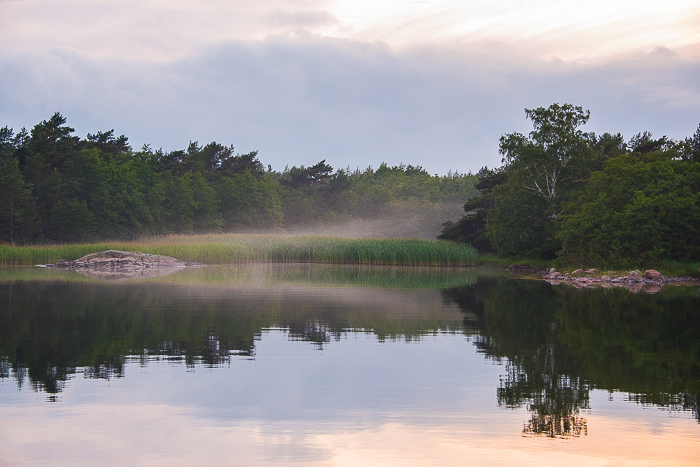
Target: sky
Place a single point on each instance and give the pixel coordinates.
(356, 82)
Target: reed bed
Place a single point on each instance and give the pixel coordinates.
(232, 248)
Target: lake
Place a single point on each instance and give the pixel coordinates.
(304, 364)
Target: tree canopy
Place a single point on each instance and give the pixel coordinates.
(586, 198)
(57, 187)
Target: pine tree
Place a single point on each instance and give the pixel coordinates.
(17, 208)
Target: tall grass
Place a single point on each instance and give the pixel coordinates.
(675, 268)
(232, 248)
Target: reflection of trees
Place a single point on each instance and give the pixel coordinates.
(515, 323)
(51, 331)
(559, 343)
(686, 401)
(48, 334)
(553, 399)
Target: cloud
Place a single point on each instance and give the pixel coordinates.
(164, 30)
(303, 99)
(151, 30)
(355, 82)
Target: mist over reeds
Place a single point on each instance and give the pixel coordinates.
(399, 219)
(240, 248)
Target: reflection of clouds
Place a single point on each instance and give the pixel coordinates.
(161, 434)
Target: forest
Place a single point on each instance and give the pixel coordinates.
(586, 199)
(560, 194)
(59, 188)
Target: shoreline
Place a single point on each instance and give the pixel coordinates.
(651, 281)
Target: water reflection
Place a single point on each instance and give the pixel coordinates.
(560, 343)
(557, 344)
(54, 329)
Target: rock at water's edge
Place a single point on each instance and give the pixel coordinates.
(122, 261)
(653, 274)
(634, 275)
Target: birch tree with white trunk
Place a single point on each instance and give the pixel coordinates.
(551, 157)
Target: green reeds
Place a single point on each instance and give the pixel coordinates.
(677, 269)
(232, 248)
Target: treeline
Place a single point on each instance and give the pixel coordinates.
(57, 187)
(586, 199)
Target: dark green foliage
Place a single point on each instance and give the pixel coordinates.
(591, 200)
(107, 143)
(691, 147)
(57, 187)
(609, 145)
(47, 152)
(206, 205)
(115, 189)
(542, 170)
(520, 222)
(248, 203)
(471, 228)
(72, 221)
(242, 164)
(300, 177)
(643, 143)
(641, 208)
(524, 197)
(17, 207)
(212, 161)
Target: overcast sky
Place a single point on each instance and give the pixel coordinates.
(355, 82)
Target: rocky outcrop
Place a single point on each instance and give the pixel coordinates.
(115, 265)
(651, 281)
(652, 274)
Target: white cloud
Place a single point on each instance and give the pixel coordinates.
(159, 30)
(171, 29)
(352, 103)
(356, 82)
(546, 27)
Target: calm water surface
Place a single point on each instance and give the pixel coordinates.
(334, 365)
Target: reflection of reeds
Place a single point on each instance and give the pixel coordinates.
(311, 275)
(384, 276)
(330, 275)
(231, 248)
